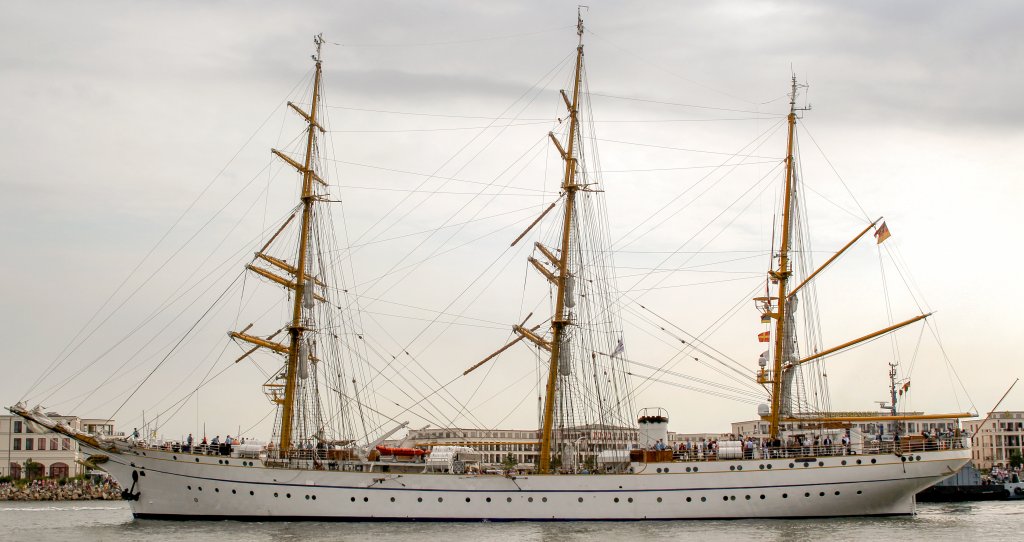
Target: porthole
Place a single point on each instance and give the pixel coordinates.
(918, 458)
(687, 469)
(791, 465)
(392, 499)
(725, 498)
(769, 466)
(226, 462)
(822, 494)
(659, 470)
(739, 467)
(695, 469)
(762, 497)
(440, 499)
(859, 492)
(529, 499)
(837, 493)
(216, 490)
(174, 457)
(189, 488)
(785, 495)
(747, 497)
(732, 497)
(200, 488)
(659, 499)
(858, 461)
(543, 499)
(252, 493)
(365, 499)
(275, 495)
(807, 494)
(732, 467)
(289, 495)
(142, 472)
(353, 499)
(197, 460)
(761, 467)
(806, 464)
(821, 463)
(314, 497)
(233, 492)
(219, 462)
(666, 470)
(419, 499)
(903, 459)
(844, 462)
(873, 461)
(703, 499)
(689, 499)
(467, 499)
(629, 499)
(616, 499)
(488, 499)
(580, 499)
(508, 499)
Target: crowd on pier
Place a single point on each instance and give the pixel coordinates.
(76, 489)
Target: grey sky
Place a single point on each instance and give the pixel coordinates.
(117, 114)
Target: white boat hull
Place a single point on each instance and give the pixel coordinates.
(184, 486)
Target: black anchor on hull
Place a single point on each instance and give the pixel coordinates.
(127, 494)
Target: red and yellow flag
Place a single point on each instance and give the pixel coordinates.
(882, 233)
(763, 337)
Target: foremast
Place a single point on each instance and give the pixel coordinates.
(297, 330)
(561, 320)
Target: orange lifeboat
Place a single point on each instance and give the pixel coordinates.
(400, 452)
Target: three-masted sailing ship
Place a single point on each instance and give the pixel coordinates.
(311, 471)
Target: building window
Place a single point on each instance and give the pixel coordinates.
(59, 470)
(42, 444)
(28, 443)
(17, 444)
(17, 427)
(66, 444)
(53, 444)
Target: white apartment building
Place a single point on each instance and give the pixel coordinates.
(993, 442)
(26, 454)
(759, 428)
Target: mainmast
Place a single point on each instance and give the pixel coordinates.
(561, 320)
(297, 329)
(782, 328)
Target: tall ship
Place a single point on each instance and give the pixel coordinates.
(329, 457)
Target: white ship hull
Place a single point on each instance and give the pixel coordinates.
(185, 486)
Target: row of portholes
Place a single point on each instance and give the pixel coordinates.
(219, 461)
(235, 492)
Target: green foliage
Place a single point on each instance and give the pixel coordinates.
(1016, 459)
(509, 462)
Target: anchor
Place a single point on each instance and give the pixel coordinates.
(127, 494)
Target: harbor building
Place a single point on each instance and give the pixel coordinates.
(28, 453)
(994, 442)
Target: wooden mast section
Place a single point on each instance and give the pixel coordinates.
(296, 330)
(782, 275)
(560, 320)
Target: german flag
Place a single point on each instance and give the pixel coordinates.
(882, 233)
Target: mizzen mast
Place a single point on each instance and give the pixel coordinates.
(561, 319)
(783, 330)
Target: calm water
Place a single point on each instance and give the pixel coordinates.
(95, 521)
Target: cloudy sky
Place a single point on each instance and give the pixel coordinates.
(117, 116)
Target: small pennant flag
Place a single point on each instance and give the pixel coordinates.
(882, 233)
(619, 348)
(763, 337)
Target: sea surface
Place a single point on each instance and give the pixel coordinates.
(88, 521)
